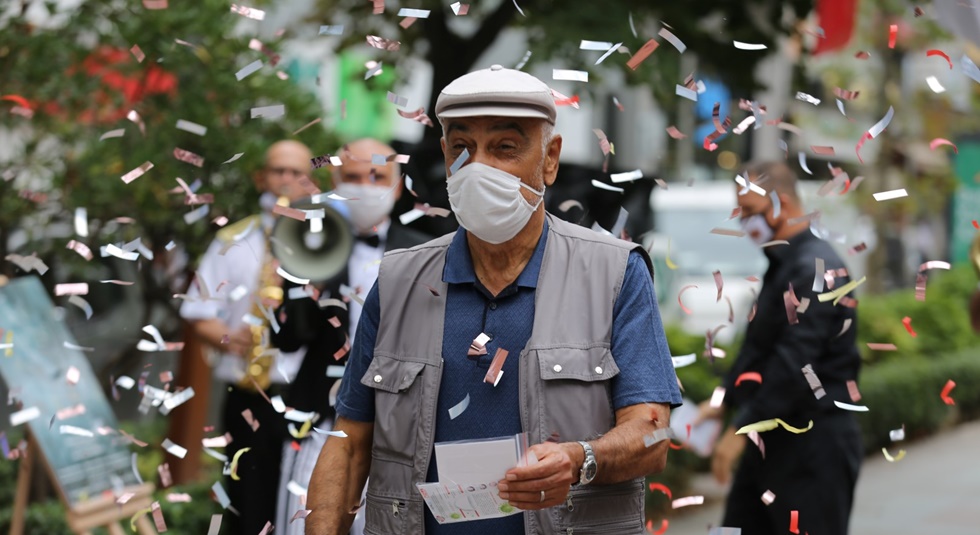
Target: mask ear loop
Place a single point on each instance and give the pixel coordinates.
(540, 195)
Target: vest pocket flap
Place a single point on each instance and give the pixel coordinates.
(391, 375)
(580, 364)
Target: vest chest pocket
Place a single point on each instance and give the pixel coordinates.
(397, 388)
(575, 398)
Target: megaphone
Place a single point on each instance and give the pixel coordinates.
(316, 248)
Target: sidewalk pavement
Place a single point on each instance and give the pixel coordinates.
(934, 490)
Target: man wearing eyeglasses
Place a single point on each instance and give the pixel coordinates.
(236, 271)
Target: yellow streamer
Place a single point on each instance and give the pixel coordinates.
(670, 263)
(898, 456)
(769, 425)
(839, 293)
(303, 431)
(9, 352)
(234, 463)
(141, 512)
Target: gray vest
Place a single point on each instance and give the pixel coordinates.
(565, 373)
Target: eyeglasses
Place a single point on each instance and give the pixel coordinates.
(280, 171)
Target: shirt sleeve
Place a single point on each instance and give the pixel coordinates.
(639, 345)
(356, 401)
(210, 271)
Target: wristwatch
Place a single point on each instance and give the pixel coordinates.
(589, 466)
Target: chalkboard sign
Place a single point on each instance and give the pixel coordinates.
(69, 416)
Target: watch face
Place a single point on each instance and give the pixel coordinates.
(590, 470)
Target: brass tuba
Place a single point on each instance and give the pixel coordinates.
(315, 248)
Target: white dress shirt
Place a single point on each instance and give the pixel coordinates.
(362, 269)
(232, 280)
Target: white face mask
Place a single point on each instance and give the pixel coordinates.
(488, 202)
(369, 204)
(757, 229)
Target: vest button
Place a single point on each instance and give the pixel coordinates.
(598, 370)
(377, 378)
(493, 305)
(557, 368)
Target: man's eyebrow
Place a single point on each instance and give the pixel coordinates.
(457, 126)
(513, 125)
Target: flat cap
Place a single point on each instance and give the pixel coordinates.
(496, 92)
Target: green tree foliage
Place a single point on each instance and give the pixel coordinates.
(80, 79)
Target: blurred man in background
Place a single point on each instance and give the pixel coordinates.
(235, 282)
(371, 190)
(813, 472)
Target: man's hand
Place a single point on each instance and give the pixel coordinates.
(240, 342)
(554, 474)
(728, 450)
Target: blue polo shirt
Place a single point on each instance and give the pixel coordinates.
(638, 345)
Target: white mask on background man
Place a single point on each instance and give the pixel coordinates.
(757, 229)
(369, 204)
(488, 202)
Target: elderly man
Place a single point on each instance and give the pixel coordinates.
(237, 260)
(812, 473)
(589, 367)
(370, 191)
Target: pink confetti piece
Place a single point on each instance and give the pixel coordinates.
(460, 9)
(674, 133)
(379, 7)
(852, 390)
(790, 303)
(495, 372)
(892, 35)
(155, 4)
(250, 420)
(648, 48)
(794, 521)
(73, 375)
(862, 55)
(74, 288)
(339, 354)
(267, 529)
(274, 58)
(250, 12)
(845, 94)
(158, 520)
(768, 497)
(940, 53)
(681, 293)
(458, 408)
(813, 381)
(165, 478)
(178, 497)
(417, 116)
(942, 141)
(220, 221)
(881, 347)
(137, 53)
(137, 172)
(188, 157)
(70, 412)
(934, 264)
(301, 513)
(719, 283)
(727, 232)
(383, 44)
(478, 345)
(874, 131)
(407, 21)
(907, 322)
(822, 150)
(950, 385)
(334, 321)
(754, 377)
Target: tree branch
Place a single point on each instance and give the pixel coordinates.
(488, 32)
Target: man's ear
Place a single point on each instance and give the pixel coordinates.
(552, 154)
(259, 178)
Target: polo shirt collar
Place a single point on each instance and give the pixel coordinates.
(782, 253)
(459, 264)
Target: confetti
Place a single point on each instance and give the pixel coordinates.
(892, 194)
(684, 502)
(813, 381)
(250, 420)
(569, 204)
(685, 92)
(165, 478)
(683, 360)
(495, 372)
(807, 98)
(934, 84)
(460, 9)
(594, 45)
(672, 39)
(945, 393)
(628, 176)
(418, 115)
(674, 133)
(898, 456)
(769, 425)
(158, 520)
(717, 397)
(520, 64)
(240, 154)
(458, 409)
(882, 347)
(892, 35)
(248, 69)
(179, 497)
(670, 263)
(942, 141)
(142, 512)
(76, 288)
(174, 449)
(28, 263)
(176, 400)
(749, 376)
(940, 53)
(234, 463)
(337, 29)
(896, 435)
(748, 46)
(794, 519)
(727, 232)
(267, 112)
(845, 94)
(907, 322)
(654, 487)
(818, 272)
(661, 530)
(852, 390)
(136, 173)
(681, 293)
(933, 264)
(768, 497)
(119, 132)
(569, 75)
(383, 44)
(648, 48)
(417, 13)
(24, 415)
(719, 283)
(222, 496)
(519, 10)
(850, 407)
(607, 187)
(134, 116)
(250, 12)
(875, 131)
(837, 294)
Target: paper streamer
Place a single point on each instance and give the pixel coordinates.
(837, 294)
(849, 407)
(659, 487)
(234, 463)
(683, 360)
(686, 501)
(755, 377)
(458, 409)
(681, 293)
(769, 425)
(945, 393)
(898, 456)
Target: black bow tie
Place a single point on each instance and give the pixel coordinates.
(373, 240)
